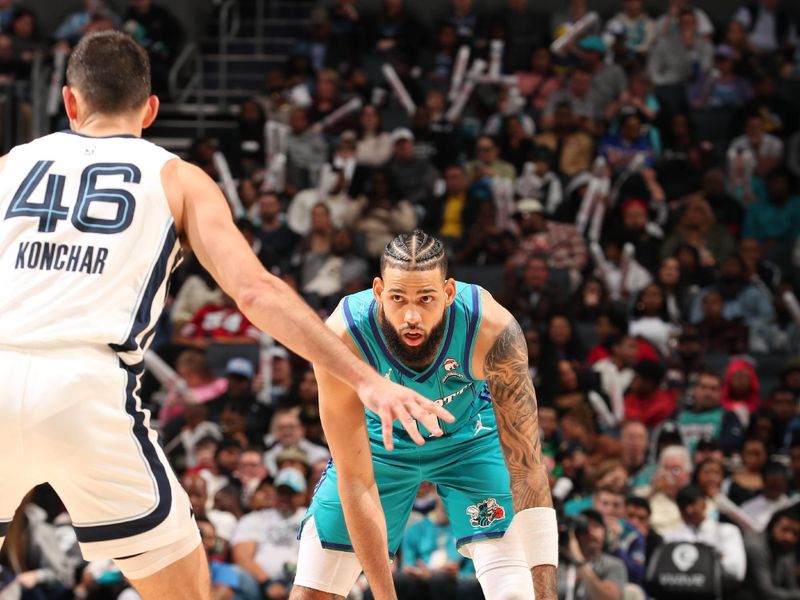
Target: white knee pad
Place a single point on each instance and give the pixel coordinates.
(501, 568)
(150, 562)
(503, 565)
(331, 571)
(532, 535)
(507, 583)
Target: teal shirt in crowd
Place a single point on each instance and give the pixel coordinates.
(766, 220)
(696, 425)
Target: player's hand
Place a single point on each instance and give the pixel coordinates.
(391, 402)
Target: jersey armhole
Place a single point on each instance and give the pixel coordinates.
(355, 334)
(475, 313)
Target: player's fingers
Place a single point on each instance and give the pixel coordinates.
(431, 423)
(428, 419)
(442, 413)
(410, 425)
(431, 407)
(387, 422)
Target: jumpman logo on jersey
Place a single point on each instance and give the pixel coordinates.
(479, 426)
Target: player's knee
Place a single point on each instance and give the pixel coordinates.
(501, 569)
(147, 564)
(507, 583)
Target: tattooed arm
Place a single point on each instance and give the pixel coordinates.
(501, 346)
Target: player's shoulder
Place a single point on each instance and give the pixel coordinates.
(49, 142)
(495, 318)
(355, 308)
(344, 322)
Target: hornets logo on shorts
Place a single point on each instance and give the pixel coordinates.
(485, 513)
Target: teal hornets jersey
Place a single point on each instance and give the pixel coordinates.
(449, 380)
(466, 464)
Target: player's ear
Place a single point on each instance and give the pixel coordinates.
(70, 103)
(377, 288)
(151, 112)
(449, 291)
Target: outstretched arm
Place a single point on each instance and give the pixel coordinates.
(505, 369)
(202, 213)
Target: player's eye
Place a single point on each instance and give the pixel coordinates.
(397, 298)
(426, 299)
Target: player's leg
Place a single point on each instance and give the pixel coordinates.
(327, 567)
(17, 473)
(109, 470)
(186, 578)
(322, 573)
(501, 568)
(474, 485)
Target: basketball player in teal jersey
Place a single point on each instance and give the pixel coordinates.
(453, 343)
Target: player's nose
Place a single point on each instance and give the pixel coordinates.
(412, 317)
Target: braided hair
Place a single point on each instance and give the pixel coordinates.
(415, 251)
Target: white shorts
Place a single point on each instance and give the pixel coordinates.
(73, 418)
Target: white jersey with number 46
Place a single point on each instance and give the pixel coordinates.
(87, 243)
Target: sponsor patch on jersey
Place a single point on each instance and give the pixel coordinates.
(485, 513)
(450, 365)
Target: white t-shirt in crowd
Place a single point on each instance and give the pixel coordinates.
(275, 535)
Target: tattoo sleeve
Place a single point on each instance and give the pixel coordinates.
(510, 384)
(506, 370)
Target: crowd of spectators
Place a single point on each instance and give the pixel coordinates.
(632, 198)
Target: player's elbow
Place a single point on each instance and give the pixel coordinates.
(353, 483)
(255, 293)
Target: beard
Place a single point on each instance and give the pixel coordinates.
(413, 356)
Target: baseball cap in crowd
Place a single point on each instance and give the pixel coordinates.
(527, 206)
(402, 133)
(293, 454)
(240, 367)
(592, 43)
(291, 478)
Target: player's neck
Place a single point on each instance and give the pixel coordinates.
(104, 126)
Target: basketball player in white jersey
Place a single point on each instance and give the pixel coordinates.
(90, 223)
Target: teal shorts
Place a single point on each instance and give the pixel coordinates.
(469, 472)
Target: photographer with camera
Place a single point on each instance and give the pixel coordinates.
(588, 572)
